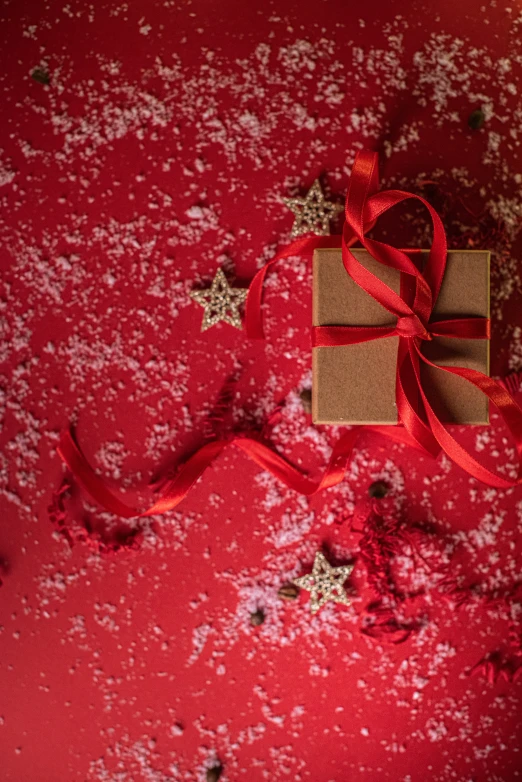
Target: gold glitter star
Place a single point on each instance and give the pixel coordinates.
(312, 213)
(325, 583)
(221, 302)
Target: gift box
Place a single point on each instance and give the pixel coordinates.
(356, 384)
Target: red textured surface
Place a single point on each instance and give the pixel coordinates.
(159, 151)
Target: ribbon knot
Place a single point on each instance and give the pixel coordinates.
(411, 326)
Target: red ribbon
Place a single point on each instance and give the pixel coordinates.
(174, 490)
(413, 308)
(303, 246)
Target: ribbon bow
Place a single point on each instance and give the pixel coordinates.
(413, 308)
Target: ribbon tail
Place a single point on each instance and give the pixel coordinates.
(177, 488)
(408, 409)
(173, 492)
(508, 408)
(277, 465)
(78, 465)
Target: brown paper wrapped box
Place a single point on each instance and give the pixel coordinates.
(355, 384)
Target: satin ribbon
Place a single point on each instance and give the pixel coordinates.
(413, 309)
(301, 247)
(174, 490)
(304, 246)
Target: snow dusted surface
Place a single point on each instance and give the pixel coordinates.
(159, 151)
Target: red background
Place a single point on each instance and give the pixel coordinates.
(159, 152)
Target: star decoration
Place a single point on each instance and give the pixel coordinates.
(312, 213)
(325, 583)
(221, 302)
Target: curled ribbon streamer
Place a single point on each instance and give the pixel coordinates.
(413, 308)
(175, 489)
